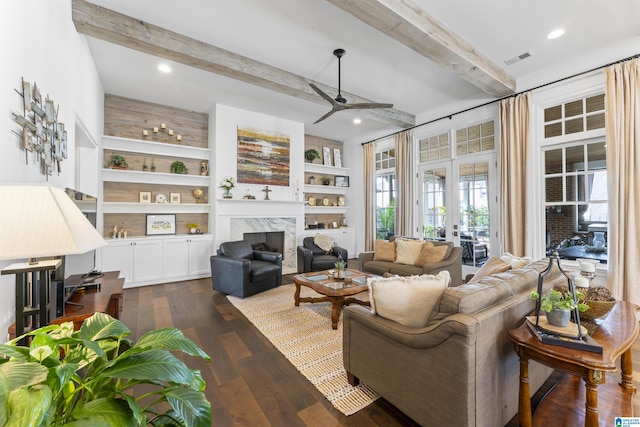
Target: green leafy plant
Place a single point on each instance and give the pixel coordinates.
(340, 264)
(311, 154)
(179, 167)
(559, 301)
(93, 377)
(117, 161)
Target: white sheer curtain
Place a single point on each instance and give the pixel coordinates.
(622, 109)
(368, 158)
(404, 181)
(514, 143)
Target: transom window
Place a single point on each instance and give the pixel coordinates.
(574, 116)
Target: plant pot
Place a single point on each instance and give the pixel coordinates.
(227, 194)
(339, 274)
(558, 317)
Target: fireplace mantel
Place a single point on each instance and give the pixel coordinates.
(242, 207)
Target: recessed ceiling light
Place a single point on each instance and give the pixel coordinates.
(555, 33)
(164, 68)
(357, 121)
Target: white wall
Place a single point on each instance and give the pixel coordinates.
(223, 136)
(38, 42)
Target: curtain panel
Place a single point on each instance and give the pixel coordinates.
(622, 121)
(368, 158)
(404, 181)
(514, 145)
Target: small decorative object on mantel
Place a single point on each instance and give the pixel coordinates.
(574, 335)
(227, 185)
(266, 192)
(248, 196)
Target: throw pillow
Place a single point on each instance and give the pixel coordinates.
(385, 251)
(492, 266)
(407, 251)
(514, 261)
(411, 301)
(431, 253)
(324, 242)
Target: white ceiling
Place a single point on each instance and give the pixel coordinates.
(299, 36)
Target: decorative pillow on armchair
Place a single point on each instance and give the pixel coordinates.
(409, 300)
(385, 251)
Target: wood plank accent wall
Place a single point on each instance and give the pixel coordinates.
(126, 118)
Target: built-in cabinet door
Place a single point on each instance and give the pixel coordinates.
(117, 256)
(346, 238)
(176, 255)
(200, 251)
(147, 260)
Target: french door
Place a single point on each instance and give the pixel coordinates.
(458, 203)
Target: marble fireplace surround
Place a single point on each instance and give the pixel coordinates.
(236, 217)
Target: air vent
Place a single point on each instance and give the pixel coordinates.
(518, 58)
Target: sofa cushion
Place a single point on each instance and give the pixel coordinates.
(492, 266)
(410, 301)
(385, 251)
(431, 253)
(514, 261)
(407, 251)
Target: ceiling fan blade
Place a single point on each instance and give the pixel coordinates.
(367, 105)
(333, 110)
(322, 93)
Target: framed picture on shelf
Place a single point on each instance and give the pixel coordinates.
(174, 198)
(326, 156)
(161, 224)
(341, 181)
(145, 197)
(337, 159)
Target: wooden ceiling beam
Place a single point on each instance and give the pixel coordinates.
(108, 25)
(408, 24)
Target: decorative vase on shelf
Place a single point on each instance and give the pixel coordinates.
(227, 194)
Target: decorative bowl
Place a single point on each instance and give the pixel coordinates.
(597, 309)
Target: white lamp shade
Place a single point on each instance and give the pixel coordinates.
(42, 221)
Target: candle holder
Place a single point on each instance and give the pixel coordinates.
(588, 268)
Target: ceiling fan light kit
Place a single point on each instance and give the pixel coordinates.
(339, 103)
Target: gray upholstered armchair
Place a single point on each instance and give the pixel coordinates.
(313, 258)
(240, 271)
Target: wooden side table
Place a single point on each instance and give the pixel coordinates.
(616, 333)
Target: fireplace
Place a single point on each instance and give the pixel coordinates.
(272, 241)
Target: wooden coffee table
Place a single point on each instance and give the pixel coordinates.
(337, 292)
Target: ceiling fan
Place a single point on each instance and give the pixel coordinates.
(340, 103)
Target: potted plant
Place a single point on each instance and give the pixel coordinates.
(311, 154)
(340, 266)
(178, 167)
(193, 228)
(145, 167)
(93, 377)
(558, 305)
(326, 180)
(117, 161)
(227, 185)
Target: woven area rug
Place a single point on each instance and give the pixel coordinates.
(304, 336)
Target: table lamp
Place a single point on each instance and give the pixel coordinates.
(35, 222)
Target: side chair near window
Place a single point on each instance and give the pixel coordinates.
(241, 271)
(312, 257)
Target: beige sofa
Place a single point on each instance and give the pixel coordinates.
(459, 370)
(452, 263)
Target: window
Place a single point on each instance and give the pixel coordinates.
(574, 117)
(385, 193)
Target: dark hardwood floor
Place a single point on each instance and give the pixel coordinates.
(249, 382)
